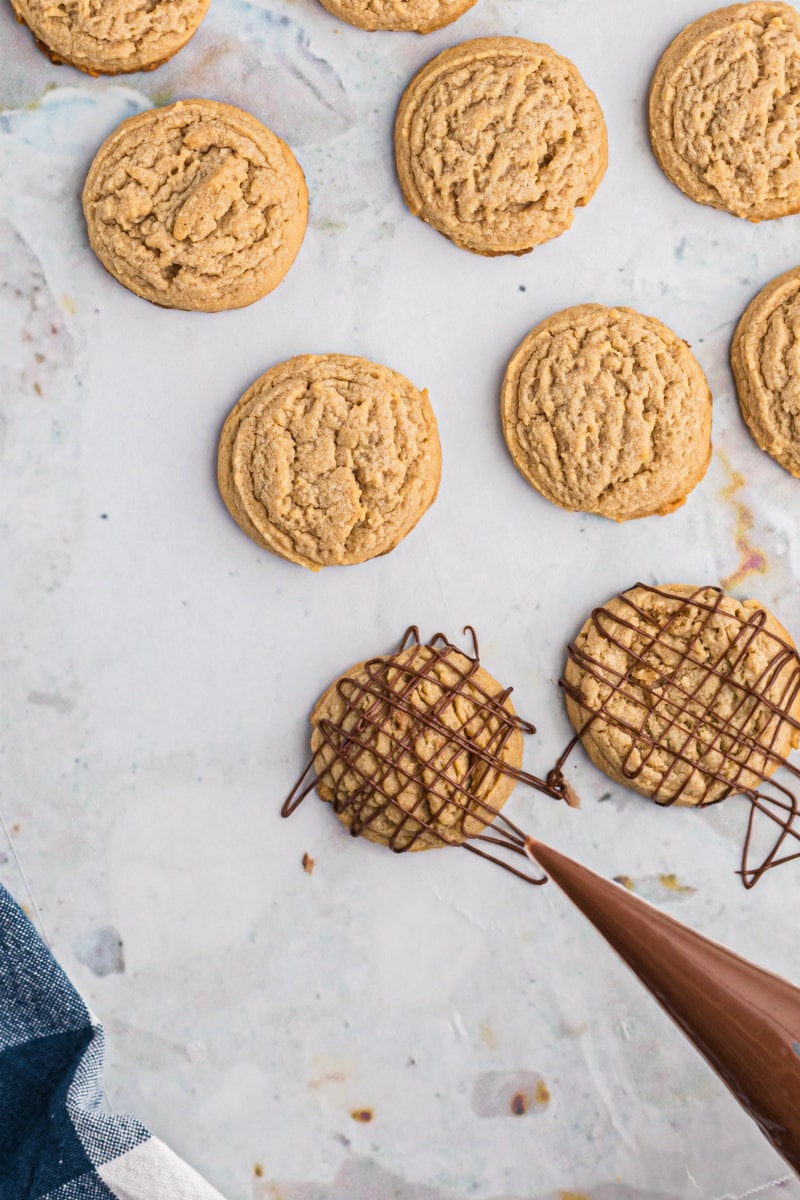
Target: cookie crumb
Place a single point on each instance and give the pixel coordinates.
(570, 796)
(362, 1115)
(309, 863)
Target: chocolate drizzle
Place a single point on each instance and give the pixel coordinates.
(389, 756)
(680, 725)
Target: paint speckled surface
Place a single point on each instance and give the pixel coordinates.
(420, 1028)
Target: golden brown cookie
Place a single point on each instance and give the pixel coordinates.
(725, 109)
(607, 411)
(497, 141)
(436, 735)
(683, 693)
(329, 460)
(111, 37)
(196, 205)
(413, 16)
(765, 356)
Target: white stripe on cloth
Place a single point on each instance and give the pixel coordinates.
(152, 1172)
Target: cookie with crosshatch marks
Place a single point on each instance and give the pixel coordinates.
(416, 749)
(498, 141)
(725, 107)
(112, 37)
(607, 411)
(683, 693)
(413, 16)
(196, 206)
(329, 460)
(765, 357)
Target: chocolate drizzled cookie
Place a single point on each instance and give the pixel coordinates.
(688, 696)
(420, 749)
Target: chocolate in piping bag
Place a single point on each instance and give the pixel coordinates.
(744, 1021)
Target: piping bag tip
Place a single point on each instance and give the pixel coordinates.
(531, 849)
(744, 1020)
(556, 865)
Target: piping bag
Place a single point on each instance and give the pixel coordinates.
(744, 1020)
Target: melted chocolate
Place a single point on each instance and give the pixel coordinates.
(385, 756)
(743, 1020)
(722, 749)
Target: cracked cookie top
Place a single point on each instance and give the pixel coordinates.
(111, 37)
(497, 141)
(683, 693)
(607, 411)
(416, 16)
(725, 108)
(329, 460)
(196, 206)
(765, 356)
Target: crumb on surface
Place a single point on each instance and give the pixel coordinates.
(309, 863)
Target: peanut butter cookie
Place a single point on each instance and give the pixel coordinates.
(329, 460)
(725, 108)
(414, 16)
(497, 141)
(765, 356)
(111, 37)
(196, 206)
(683, 693)
(607, 411)
(447, 731)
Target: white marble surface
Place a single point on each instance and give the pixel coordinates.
(158, 668)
